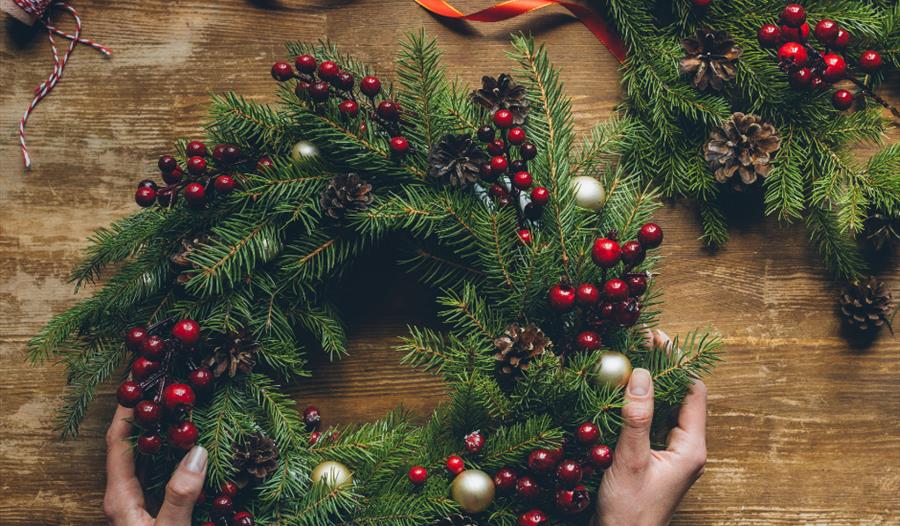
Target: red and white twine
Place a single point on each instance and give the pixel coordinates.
(40, 9)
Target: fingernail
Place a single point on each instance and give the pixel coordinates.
(195, 460)
(639, 385)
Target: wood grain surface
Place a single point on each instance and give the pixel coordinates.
(803, 427)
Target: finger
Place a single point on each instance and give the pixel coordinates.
(123, 490)
(690, 435)
(633, 449)
(661, 339)
(183, 489)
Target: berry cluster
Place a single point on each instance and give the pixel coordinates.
(615, 301)
(508, 170)
(807, 67)
(198, 181)
(552, 479)
(319, 82)
(221, 509)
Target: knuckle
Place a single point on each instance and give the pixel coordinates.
(109, 509)
(698, 461)
(111, 437)
(179, 490)
(638, 416)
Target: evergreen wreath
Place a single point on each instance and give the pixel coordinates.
(220, 283)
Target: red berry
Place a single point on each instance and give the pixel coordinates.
(485, 134)
(522, 180)
(588, 433)
(498, 164)
(154, 347)
(328, 70)
(147, 413)
(842, 99)
(601, 456)
(561, 297)
(527, 488)
(574, 500)
(344, 80)
(835, 67)
(263, 164)
(528, 151)
(769, 35)
(606, 253)
(388, 110)
(281, 71)
(183, 435)
(870, 61)
(200, 378)
(147, 183)
(801, 78)
(142, 368)
(224, 184)
(498, 190)
(793, 15)
(194, 193)
(149, 444)
(455, 464)
(540, 195)
(174, 176)
(176, 396)
(524, 236)
(167, 163)
(145, 196)
(230, 489)
(816, 83)
(841, 39)
(589, 341)
(496, 147)
(129, 394)
(797, 34)
(312, 418)
(221, 506)
(226, 153)
(503, 119)
(242, 518)
(650, 235)
(314, 438)
(615, 289)
(505, 480)
(370, 86)
(318, 91)
(135, 337)
(186, 331)
(701, 4)
(534, 518)
(626, 313)
(826, 30)
(793, 52)
(195, 149)
(196, 165)
(632, 253)
(606, 310)
(399, 145)
(349, 108)
(515, 136)
(541, 461)
(587, 294)
(474, 442)
(418, 475)
(568, 473)
(637, 284)
(305, 64)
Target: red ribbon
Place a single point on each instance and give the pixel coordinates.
(513, 8)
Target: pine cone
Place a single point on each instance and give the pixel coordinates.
(502, 93)
(233, 352)
(456, 159)
(710, 58)
(345, 192)
(867, 305)
(744, 144)
(882, 229)
(181, 258)
(517, 346)
(255, 459)
(456, 520)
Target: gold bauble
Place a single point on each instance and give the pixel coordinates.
(613, 369)
(333, 474)
(304, 150)
(473, 490)
(589, 193)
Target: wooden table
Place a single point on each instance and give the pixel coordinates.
(804, 429)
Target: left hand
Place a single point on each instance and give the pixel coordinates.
(123, 503)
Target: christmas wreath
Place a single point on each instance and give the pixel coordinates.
(541, 250)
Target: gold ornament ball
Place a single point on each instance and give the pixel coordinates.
(613, 369)
(304, 150)
(589, 193)
(473, 490)
(333, 474)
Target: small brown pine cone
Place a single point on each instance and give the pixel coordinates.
(517, 346)
(233, 352)
(743, 146)
(345, 192)
(710, 58)
(867, 305)
(502, 93)
(881, 229)
(256, 458)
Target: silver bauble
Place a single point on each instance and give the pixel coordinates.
(473, 490)
(589, 193)
(333, 474)
(304, 150)
(613, 370)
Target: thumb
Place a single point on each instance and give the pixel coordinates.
(633, 449)
(183, 489)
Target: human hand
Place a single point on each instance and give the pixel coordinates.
(643, 486)
(123, 502)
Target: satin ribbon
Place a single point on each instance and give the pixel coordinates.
(513, 8)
